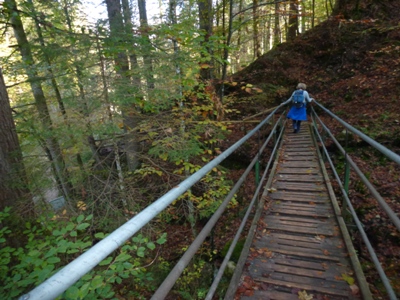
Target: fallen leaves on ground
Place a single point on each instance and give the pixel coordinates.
(304, 296)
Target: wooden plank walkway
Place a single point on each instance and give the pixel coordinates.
(297, 250)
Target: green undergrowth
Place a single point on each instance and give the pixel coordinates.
(52, 243)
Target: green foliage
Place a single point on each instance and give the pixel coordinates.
(50, 244)
(189, 142)
(174, 147)
(193, 283)
(236, 251)
(208, 195)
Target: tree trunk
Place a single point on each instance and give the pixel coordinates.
(172, 19)
(127, 15)
(268, 35)
(218, 102)
(205, 24)
(56, 156)
(256, 27)
(293, 21)
(313, 14)
(85, 111)
(118, 32)
(239, 45)
(340, 7)
(117, 29)
(52, 78)
(277, 37)
(104, 79)
(13, 183)
(144, 27)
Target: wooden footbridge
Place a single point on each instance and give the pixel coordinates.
(299, 246)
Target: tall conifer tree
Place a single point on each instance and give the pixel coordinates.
(13, 185)
(52, 145)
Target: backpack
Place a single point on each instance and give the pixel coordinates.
(298, 98)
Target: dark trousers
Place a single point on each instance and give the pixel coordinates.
(296, 125)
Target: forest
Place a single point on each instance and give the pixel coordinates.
(102, 116)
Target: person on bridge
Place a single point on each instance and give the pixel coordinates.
(297, 112)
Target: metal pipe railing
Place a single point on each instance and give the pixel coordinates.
(228, 255)
(388, 153)
(382, 203)
(359, 225)
(71, 273)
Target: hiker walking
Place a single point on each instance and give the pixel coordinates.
(297, 112)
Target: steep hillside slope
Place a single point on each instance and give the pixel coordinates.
(345, 64)
(352, 68)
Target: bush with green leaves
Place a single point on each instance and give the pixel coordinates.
(189, 141)
(50, 244)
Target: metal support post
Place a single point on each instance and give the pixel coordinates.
(257, 165)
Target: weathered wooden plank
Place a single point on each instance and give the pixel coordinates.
(310, 280)
(299, 155)
(305, 247)
(317, 241)
(299, 149)
(308, 196)
(310, 231)
(303, 186)
(288, 224)
(338, 249)
(303, 178)
(298, 184)
(299, 178)
(299, 189)
(296, 143)
(299, 263)
(305, 197)
(286, 207)
(313, 214)
(298, 139)
(299, 205)
(299, 164)
(308, 287)
(320, 274)
(313, 171)
(315, 281)
(293, 145)
(271, 295)
(276, 235)
(321, 254)
(304, 153)
(297, 199)
(311, 206)
(298, 221)
(331, 269)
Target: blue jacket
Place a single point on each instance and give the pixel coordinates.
(299, 114)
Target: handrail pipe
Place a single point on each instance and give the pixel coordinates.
(359, 225)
